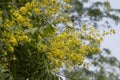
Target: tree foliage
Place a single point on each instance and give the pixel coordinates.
(94, 13)
(30, 47)
(104, 66)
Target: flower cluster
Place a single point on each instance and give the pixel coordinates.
(70, 47)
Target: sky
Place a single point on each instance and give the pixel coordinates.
(112, 42)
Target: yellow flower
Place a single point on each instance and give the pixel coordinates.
(43, 47)
(59, 63)
(20, 19)
(28, 24)
(67, 6)
(13, 41)
(67, 0)
(91, 28)
(112, 31)
(39, 37)
(23, 38)
(0, 13)
(16, 13)
(84, 27)
(28, 6)
(23, 10)
(56, 70)
(10, 49)
(37, 10)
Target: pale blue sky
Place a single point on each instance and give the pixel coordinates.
(113, 42)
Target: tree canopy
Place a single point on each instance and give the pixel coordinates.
(30, 47)
(104, 65)
(94, 13)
